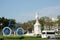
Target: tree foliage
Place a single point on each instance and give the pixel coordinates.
(28, 26)
(4, 22)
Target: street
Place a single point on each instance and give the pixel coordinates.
(53, 39)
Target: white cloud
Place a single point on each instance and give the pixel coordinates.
(50, 11)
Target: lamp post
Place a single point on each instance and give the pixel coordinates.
(16, 26)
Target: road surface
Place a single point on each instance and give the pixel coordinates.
(53, 39)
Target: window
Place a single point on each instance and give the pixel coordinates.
(50, 32)
(43, 32)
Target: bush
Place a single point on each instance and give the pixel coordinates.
(22, 37)
(38, 36)
(1, 38)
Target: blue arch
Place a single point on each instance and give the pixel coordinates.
(6, 31)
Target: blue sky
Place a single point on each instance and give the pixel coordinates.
(24, 10)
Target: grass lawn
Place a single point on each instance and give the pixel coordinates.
(33, 39)
(20, 38)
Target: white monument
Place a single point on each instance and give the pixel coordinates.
(37, 26)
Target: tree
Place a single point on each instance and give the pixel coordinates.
(58, 17)
(42, 22)
(5, 22)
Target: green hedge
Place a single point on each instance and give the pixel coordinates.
(57, 37)
(20, 38)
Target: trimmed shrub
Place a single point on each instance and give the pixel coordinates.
(22, 37)
(38, 36)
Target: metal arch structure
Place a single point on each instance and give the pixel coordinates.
(18, 30)
(4, 30)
